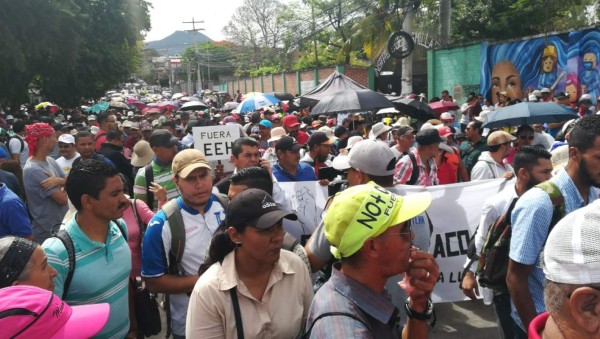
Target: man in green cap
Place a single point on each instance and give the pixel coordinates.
(369, 229)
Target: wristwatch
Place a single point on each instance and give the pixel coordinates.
(426, 315)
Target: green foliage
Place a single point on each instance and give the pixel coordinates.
(69, 49)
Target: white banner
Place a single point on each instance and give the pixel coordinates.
(309, 199)
(215, 141)
(455, 213)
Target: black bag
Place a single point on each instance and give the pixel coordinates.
(146, 310)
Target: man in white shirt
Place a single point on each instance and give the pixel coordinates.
(68, 152)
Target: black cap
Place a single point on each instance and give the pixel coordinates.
(428, 137)
(287, 143)
(162, 138)
(255, 208)
(319, 138)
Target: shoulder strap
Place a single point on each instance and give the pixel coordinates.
(149, 175)
(16, 136)
(558, 202)
(222, 199)
(328, 314)
(177, 228)
(239, 326)
(414, 176)
(65, 238)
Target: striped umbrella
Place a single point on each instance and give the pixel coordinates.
(257, 102)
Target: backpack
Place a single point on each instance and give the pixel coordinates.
(18, 137)
(65, 238)
(493, 262)
(149, 175)
(414, 176)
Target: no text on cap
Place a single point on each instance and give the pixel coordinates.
(499, 138)
(426, 137)
(290, 121)
(188, 160)
(319, 138)
(372, 157)
(162, 138)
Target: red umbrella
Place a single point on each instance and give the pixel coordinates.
(443, 106)
(139, 104)
(167, 106)
(153, 109)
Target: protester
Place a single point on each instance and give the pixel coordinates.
(371, 251)
(102, 258)
(418, 167)
(471, 149)
(106, 122)
(44, 182)
(84, 144)
(405, 139)
(246, 263)
(68, 152)
(292, 128)
(170, 259)
(112, 149)
(532, 218)
(17, 145)
(491, 164)
(524, 137)
(23, 262)
(31, 312)
(319, 148)
(288, 167)
(14, 219)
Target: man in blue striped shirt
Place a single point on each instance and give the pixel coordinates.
(532, 216)
(102, 256)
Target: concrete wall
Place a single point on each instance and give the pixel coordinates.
(457, 70)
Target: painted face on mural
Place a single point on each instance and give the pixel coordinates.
(589, 61)
(571, 92)
(548, 64)
(505, 78)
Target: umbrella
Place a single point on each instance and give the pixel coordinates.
(282, 95)
(257, 102)
(192, 105)
(351, 100)
(388, 110)
(43, 105)
(139, 104)
(230, 105)
(167, 105)
(251, 94)
(118, 104)
(443, 106)
(189, 99)
(415, 109)
(149, 110)
(527, 113)
(97, 108)
(177, 96)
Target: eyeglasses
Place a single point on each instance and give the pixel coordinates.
(408, 234)
(526, 137)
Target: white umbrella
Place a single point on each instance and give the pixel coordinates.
(192, 105)
(388, 110)
(177, 96)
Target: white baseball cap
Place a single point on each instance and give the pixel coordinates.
(372, 157)
(67, 139)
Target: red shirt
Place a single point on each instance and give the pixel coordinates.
(302, 138)
(447, 172)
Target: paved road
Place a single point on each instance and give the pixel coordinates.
(464, 320)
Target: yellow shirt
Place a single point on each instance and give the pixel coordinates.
(281, 313)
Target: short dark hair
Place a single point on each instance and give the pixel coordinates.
(584, 132)
(254, 177)
(528, 156)
(445, 91)
(383, 181)
(479, 125)
(83, 134)
(18, 126)
(524, 128)
(88, 177)
(170, 124)
(102, 117)
(114, 134)
(236, 148)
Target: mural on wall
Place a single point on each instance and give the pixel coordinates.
(563, 63)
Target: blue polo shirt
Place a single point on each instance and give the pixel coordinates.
(13, 214)
(101, 273)
(305, 172)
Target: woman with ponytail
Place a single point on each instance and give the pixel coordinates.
(249, 287)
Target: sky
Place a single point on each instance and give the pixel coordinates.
(167, 16)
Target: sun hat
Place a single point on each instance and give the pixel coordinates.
(352, 141)
(571, 254)
(276, 134)
(380, 128)
(256, 208)
(32, 312)
(142, 154)
(366, 211)
(188, 160)
(499, 138)
(373, 158)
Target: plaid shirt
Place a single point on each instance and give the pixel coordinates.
(404, 170)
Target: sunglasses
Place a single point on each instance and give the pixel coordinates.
(407, 235)
(526, 137)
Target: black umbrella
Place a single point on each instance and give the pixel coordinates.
(527, 113)
(282, 95)
(352, 100)
(415, 109)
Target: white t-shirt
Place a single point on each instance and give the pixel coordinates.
(14, 146)
(67, 164)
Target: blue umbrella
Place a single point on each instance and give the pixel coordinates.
(527, 113)
(97, 108)
(257, 102)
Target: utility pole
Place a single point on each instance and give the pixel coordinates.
(196, 54)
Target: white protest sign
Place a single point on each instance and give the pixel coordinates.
(455, 212)
(215, 141)
(308, 199)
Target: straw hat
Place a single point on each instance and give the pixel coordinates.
(142, 154)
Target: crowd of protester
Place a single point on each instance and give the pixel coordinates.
(102, 213)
